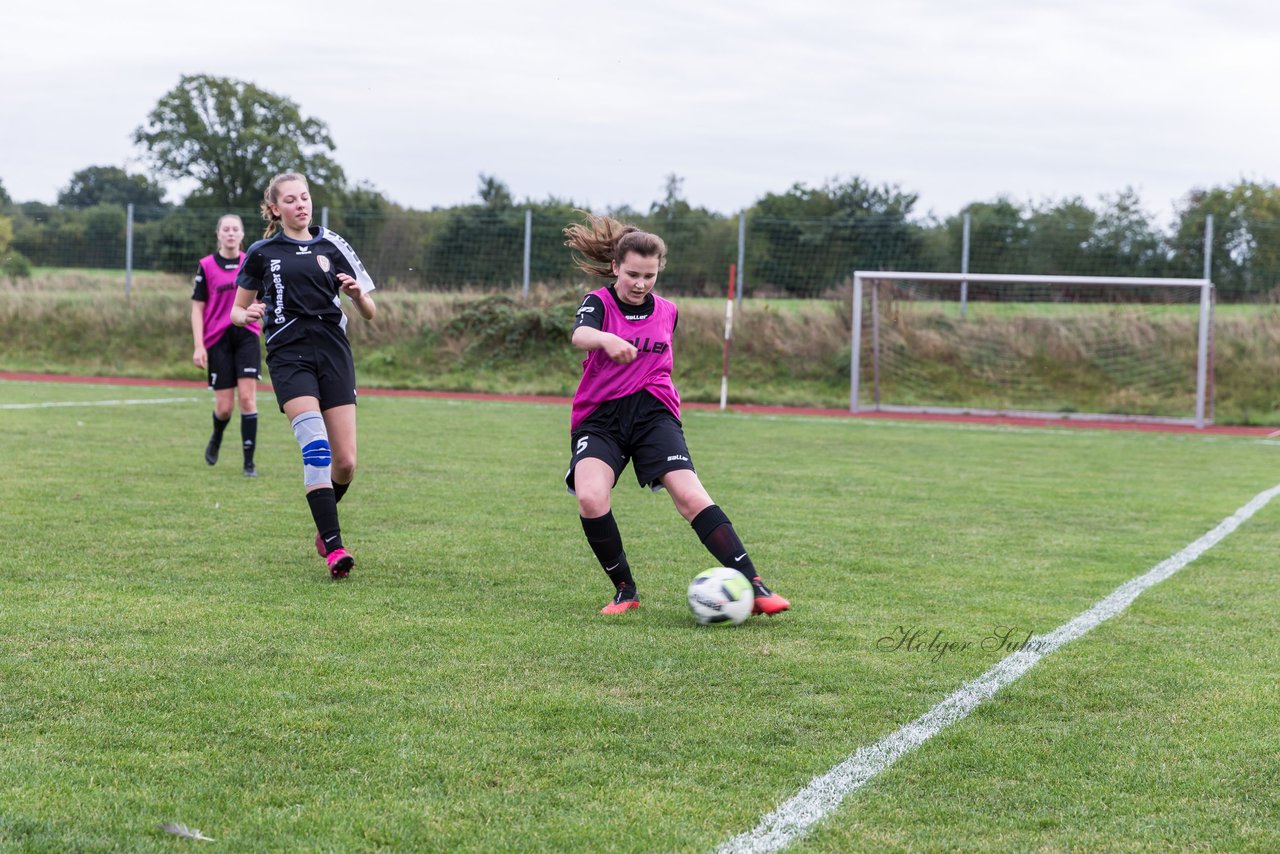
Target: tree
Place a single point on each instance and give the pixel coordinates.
(997, 236)
(111, 185)
(232, 137)
(700, 244)
(481, 244)
(1125, 241)
(5, 201)
(815, 238)
(1057, 235)
(1246, 231)
(494, 194)
(12, 262)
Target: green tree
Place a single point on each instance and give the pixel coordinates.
(1246, 239)
(494, 194)
(111, 185)
(232, 137)
(1056, 236)
(479, 244)
(1125, 242)
(808, 240)
(5, 200)
(12, 262)
(997, 236)
(701, 244)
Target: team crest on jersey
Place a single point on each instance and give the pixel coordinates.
(323, 262)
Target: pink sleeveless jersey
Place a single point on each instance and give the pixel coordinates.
(221, 287)
(604, 380)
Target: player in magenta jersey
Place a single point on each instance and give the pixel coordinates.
(230, 355)
(292, 282)
(627, 409)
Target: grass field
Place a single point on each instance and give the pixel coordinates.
(171, 649)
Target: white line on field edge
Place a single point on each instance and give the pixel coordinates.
(140, 402)
(824, 793)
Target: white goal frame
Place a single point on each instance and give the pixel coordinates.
(1204, 342)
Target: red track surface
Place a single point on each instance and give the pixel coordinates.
(1258, 432)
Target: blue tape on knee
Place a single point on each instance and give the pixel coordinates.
(314, 440)
(317, 453)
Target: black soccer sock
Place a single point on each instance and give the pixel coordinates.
(339, 490)
(324, 510)
(218, 428)
(248, 435)
(606, 541)
(716, 532)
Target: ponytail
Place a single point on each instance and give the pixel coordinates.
(602, 240)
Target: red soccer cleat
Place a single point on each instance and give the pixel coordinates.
(767, 602)
(340, 563)
(623, 602)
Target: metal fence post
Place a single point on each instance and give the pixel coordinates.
(324, 217)
(964, 269)
(1208, 246)
(742, 250)
(528, 249)
(128, 250)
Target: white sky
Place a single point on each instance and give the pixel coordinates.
(956, 100)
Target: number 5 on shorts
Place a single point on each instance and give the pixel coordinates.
(582, 446)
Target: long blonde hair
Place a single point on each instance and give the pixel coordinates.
(602, 240)
(269, 197)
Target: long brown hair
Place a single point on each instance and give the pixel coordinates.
(601, 240)
(269, 197)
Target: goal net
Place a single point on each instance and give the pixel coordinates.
(1037, 346)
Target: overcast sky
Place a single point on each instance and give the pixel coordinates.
(954, 100)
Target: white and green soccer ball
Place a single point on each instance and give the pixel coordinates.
(720, 595)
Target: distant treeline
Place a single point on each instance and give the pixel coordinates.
(802, 242)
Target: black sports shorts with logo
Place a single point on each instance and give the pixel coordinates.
(314, 362)
(635, 428)
(233, 357)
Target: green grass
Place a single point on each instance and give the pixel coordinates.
(172, 651)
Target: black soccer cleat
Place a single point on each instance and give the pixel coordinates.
(211, 451)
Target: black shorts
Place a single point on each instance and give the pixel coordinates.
(637, 428)
(317, 364)
(233, 357)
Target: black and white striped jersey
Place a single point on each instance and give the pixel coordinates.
(298, 282)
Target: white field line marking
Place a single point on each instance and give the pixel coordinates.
(140, 402)
(824, 794)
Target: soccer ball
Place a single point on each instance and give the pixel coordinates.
(720, 595)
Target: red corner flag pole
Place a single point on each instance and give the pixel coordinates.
(728, 335)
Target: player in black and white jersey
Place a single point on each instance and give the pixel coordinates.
(292, 281)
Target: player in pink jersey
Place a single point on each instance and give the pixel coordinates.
(230, 355)
(627, 409)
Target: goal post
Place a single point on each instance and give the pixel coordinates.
(1077, 347)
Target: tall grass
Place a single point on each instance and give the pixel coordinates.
(783, 352)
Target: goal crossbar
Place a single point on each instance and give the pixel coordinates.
(1203, 342)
